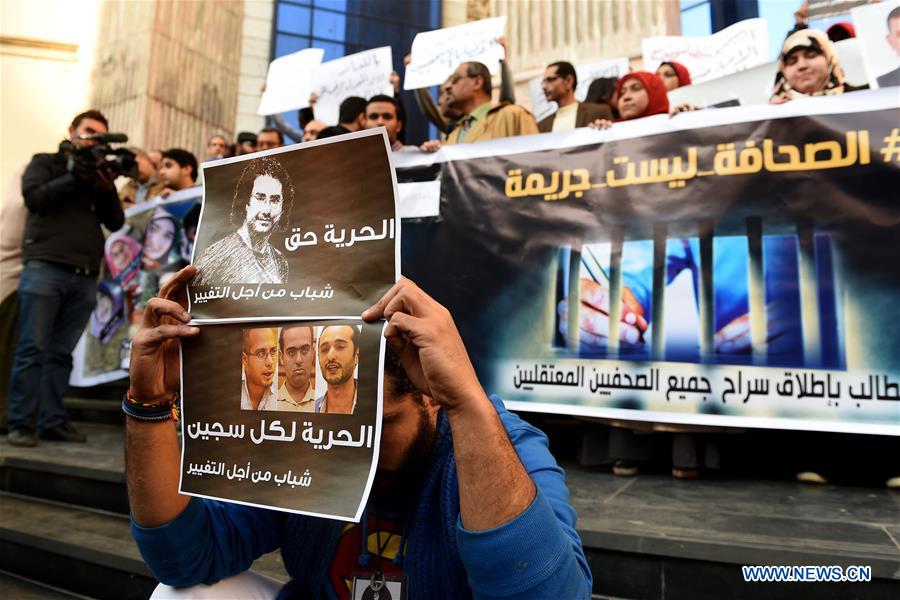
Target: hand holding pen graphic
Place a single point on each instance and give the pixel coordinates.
(593, 317)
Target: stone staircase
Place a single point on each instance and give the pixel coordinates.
(64, 528)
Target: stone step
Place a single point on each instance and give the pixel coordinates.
(20, 588)
(90, 475)
(82, 551)
(93, 410)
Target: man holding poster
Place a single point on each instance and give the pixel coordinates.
(476, 487)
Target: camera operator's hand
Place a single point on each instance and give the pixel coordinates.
(81, 164)
(104, 178)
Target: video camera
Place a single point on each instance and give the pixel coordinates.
(116, 161)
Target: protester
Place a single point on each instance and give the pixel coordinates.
(352, 114)
(559, 83)
(841, 31)
(382, 111)
(135, 190)
(245, 144)
(12, 230)
(674, 75)
(808, 66)
(469, 92)
(476, 486)
(603, 91)
(155, 157)
(269, 138)
(217, 147)
(442, 115)
(68, 195)
(178, 171)
(640, 94)
(312, 129)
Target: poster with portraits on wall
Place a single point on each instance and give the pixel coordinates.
(154, 244)
(281, 391)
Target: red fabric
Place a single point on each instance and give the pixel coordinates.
(684, 76)
(658, 99)
(848, 27)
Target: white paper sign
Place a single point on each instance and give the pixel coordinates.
(436, 54)
(587, 73)
(289, 81)
(875, 33)
(363, 74)
(742, 46)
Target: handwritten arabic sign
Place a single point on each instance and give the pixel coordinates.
(270, 243)
(364, 74)
(435, 54)
(716, 274)
(289, 81)
(736, 48)
(587, 73)
(276, 448)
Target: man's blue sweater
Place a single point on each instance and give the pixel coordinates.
(536, 555)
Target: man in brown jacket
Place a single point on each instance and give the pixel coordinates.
(560, 81)
(469, 89)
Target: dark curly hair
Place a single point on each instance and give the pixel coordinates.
(265, 165)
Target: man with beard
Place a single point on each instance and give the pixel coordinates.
(297, 354)
(258, 362)
(261, 205)
(467, 501)
(338, 357)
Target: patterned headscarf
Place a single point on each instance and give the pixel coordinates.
(816, 40)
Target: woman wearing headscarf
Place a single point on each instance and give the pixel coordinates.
(639, 94)
(808, 66)
(674, 75)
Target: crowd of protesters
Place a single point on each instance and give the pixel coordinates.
(464, 112)
(54, 216)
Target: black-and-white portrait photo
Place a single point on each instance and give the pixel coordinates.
(261, 205)
(308, 229)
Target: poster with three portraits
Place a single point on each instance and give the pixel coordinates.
(281, 391)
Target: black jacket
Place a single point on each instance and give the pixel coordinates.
(65, 214)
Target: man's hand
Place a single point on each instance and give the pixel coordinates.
(683, 107)
(104, 180)
(430, 146)
(395, 82)
(600, 124)
(423, 335)
(593, 318)
(494, 487)
(155, 373)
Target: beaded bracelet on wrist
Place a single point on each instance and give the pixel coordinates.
(157, 414)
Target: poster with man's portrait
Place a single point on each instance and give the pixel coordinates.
(878, 31)
(283, 414)
(306, 230)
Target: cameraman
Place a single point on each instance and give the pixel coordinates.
(68, 196)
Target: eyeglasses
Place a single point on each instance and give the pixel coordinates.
(261, 355)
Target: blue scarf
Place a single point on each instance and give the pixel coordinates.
(431, 560)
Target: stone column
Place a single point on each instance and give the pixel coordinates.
(167, 72)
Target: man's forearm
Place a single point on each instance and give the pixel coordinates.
(494, 487)
(152, 468)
